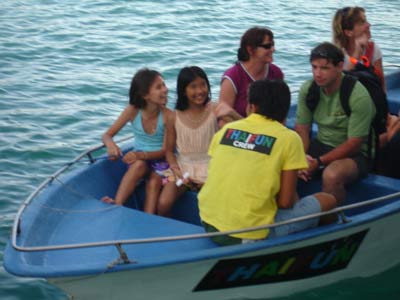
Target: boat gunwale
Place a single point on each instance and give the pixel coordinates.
(90, 151)
(326, 233)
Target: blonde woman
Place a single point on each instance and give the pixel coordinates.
(352, 33)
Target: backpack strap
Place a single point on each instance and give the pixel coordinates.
(312, 97)
(346, 88)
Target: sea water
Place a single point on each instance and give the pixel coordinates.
(66, 66)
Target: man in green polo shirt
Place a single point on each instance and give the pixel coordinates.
(340, 146)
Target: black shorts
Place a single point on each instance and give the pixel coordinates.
(317, 149)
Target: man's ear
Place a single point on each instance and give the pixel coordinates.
(252, 108)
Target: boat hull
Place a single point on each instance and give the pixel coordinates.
(293, 267)
(93, 250)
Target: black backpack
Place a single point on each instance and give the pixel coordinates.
(367, 77)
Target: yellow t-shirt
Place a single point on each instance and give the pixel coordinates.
(247, 157)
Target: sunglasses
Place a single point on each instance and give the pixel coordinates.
(319, 54)
(322, 53)
(267, 46)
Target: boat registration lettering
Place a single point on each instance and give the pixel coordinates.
(289, 265)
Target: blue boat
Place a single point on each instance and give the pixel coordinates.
(393, 91)
(94, 250)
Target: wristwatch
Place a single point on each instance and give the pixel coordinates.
(320, 163)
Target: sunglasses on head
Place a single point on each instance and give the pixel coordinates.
(267, 46)
(319, 53)
(328, 55)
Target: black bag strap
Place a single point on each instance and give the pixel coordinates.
(346, 88)
(312, 97)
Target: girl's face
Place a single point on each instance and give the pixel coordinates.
(158, 92)
(197, 91)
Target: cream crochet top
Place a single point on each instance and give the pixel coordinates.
(193, 138)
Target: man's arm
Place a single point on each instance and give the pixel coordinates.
(304, 132)
(349, 148)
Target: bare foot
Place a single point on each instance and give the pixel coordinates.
(108, 200)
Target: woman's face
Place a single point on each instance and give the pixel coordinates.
(264, 51)
(362, 27)
(197, 91)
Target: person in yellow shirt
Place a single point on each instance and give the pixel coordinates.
(252, 173)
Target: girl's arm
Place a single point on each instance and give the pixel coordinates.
(225, 113)
(170, 147)
(287, 195)
(128, 114)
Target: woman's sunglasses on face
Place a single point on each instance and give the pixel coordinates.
(267, 46)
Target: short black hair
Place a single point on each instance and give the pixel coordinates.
(328, 51)
(271, 97)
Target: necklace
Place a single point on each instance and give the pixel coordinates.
(149, 123)
(196, 119)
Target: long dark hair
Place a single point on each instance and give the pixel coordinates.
(140, 86)
(253, 37)
(185, 77)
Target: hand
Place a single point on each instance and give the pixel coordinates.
(130, 157)
(114, 152)
(223, 109)
(393, 126)
(303, 174)
(225, 114)
(361, 44)
(177, 171)
(313, 165)
(180, 178)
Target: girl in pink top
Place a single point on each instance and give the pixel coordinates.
(195, 122)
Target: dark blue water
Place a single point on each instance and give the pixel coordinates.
(65, 69)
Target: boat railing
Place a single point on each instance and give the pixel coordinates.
(89, 153)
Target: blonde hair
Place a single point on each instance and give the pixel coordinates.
(345, 19)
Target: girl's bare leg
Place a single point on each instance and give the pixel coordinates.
(128, 183)
(153, 187)
(170, 193)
